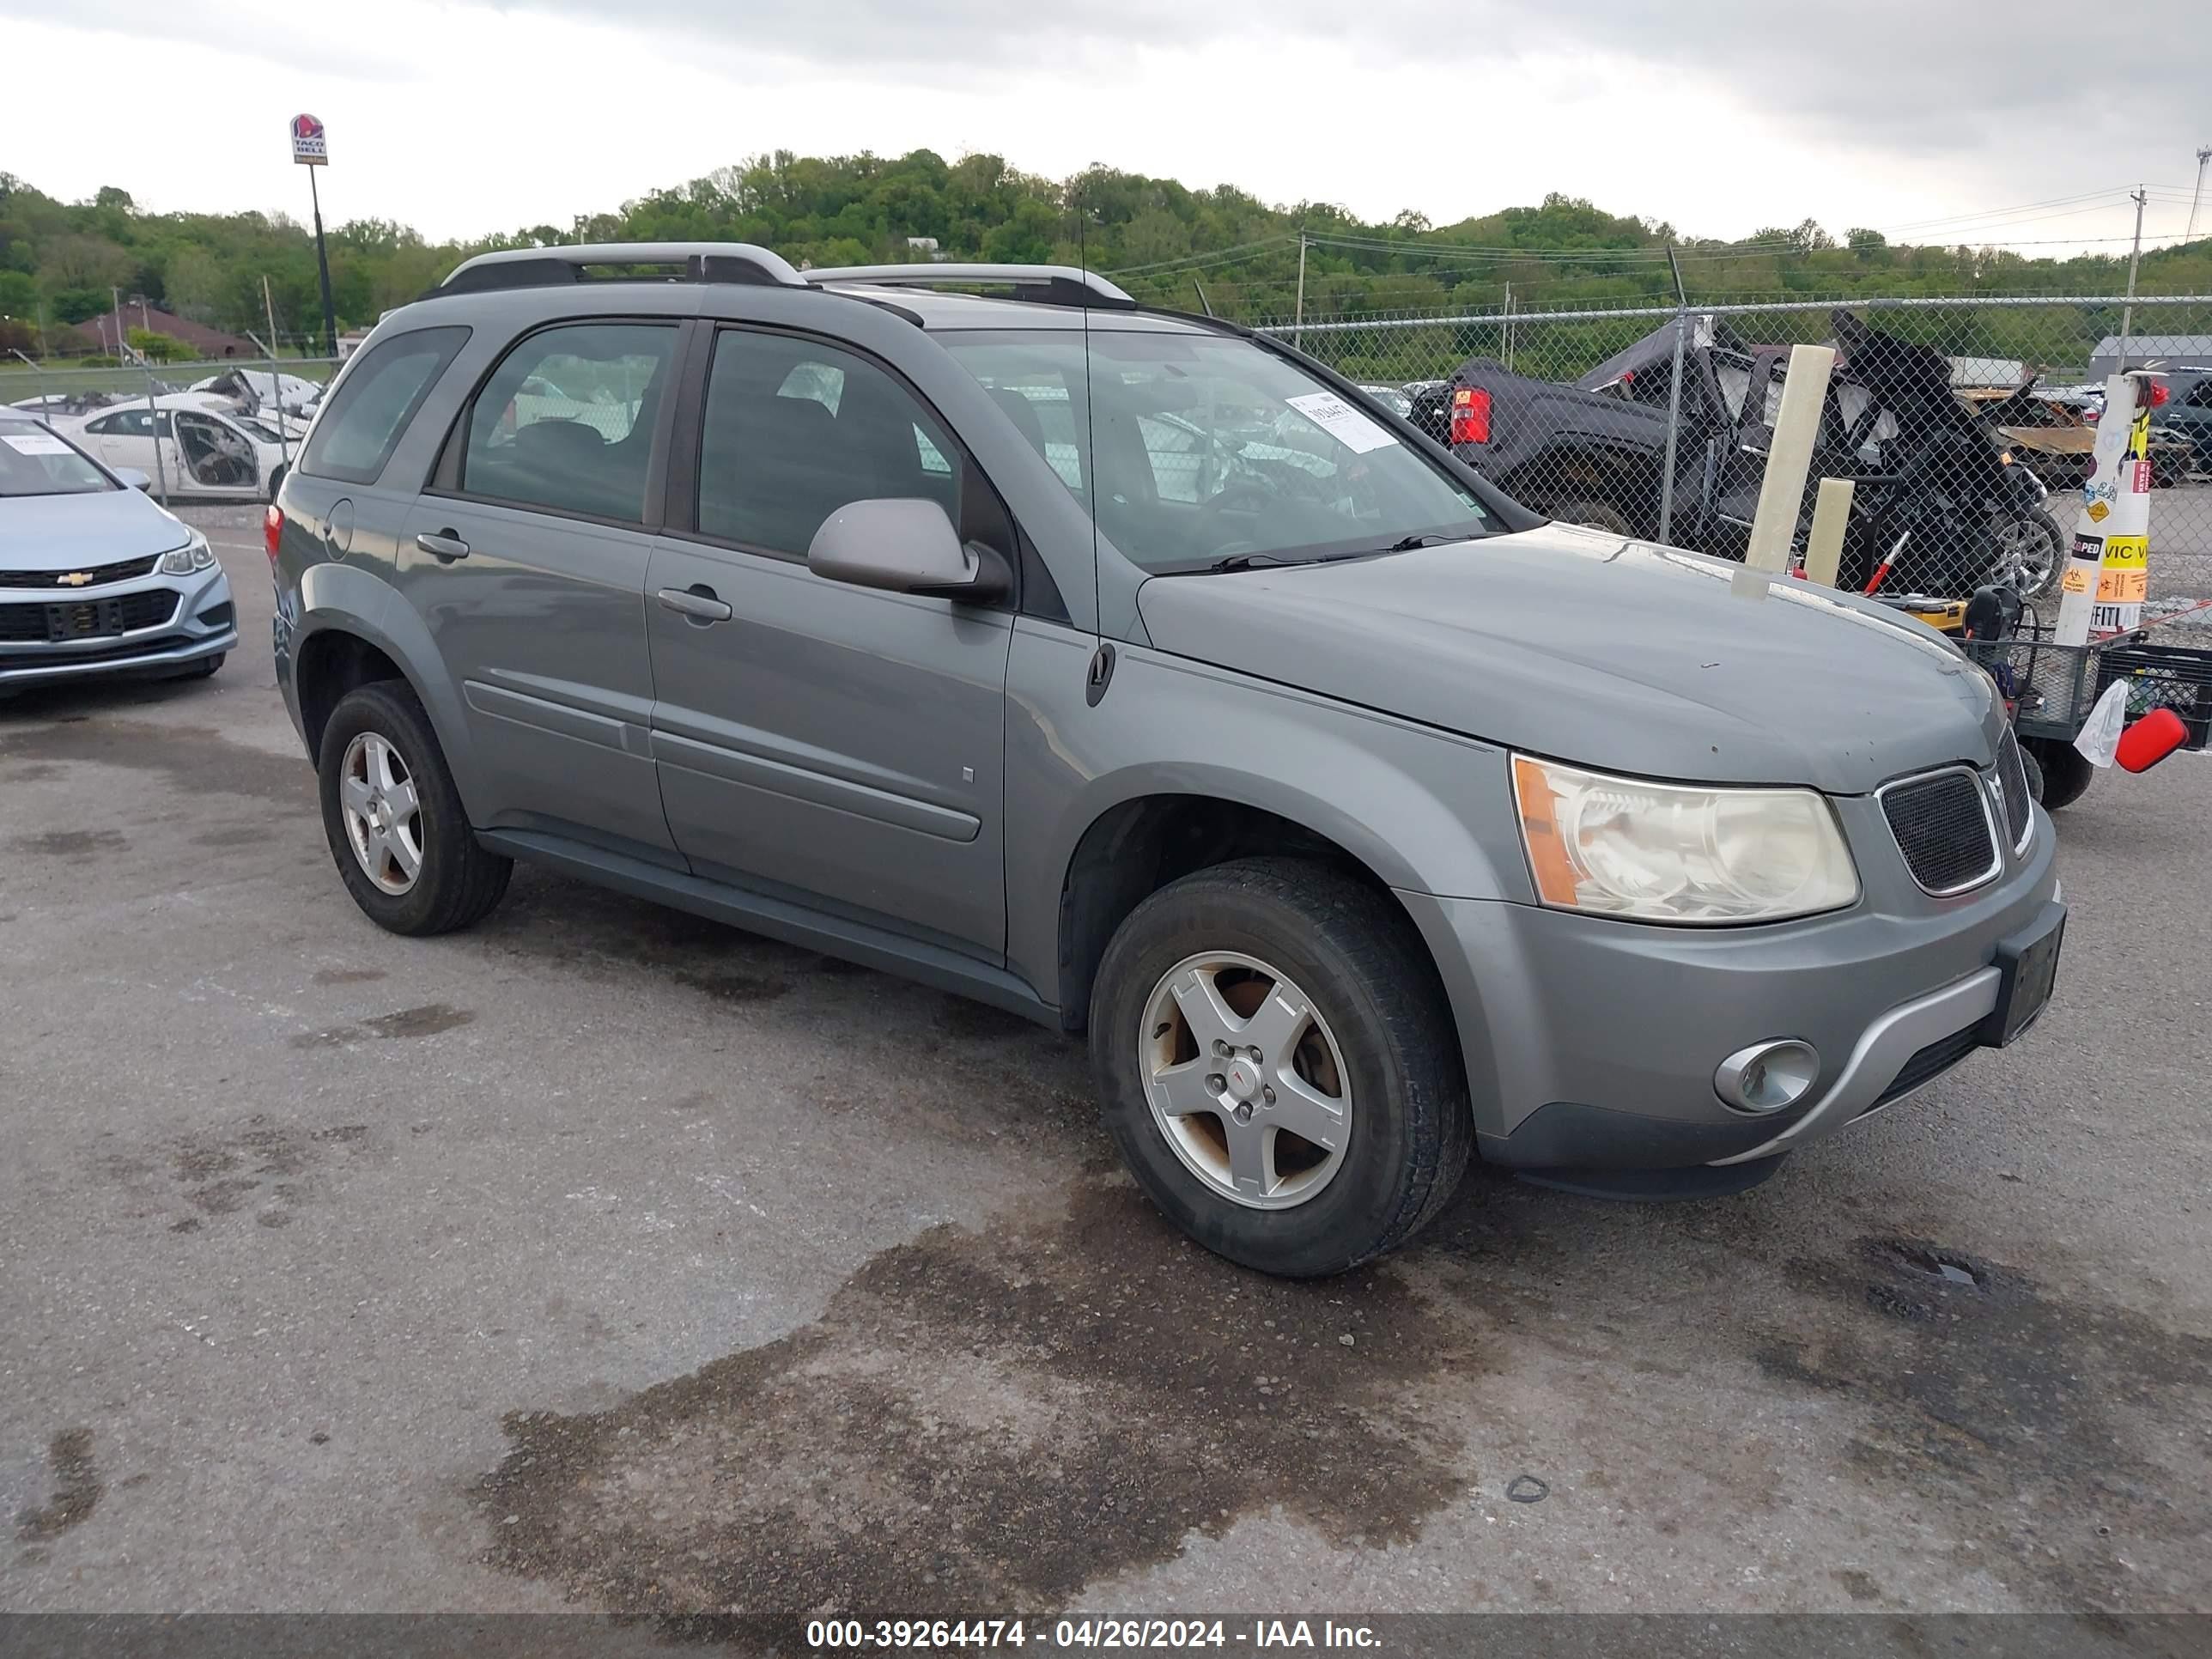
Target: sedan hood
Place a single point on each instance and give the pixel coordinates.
(56, 533)
(1621, 654)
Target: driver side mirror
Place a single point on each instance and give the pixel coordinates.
(132, 478)
(905, 544)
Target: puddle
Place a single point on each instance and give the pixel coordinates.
(994, 1419)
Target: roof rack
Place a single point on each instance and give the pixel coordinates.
(689, 262)
(1059, 285)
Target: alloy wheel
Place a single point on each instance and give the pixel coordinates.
(1245, 1079)
(383, 815)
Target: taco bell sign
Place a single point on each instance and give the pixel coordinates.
(310, 147)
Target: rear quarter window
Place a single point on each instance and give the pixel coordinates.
(370, 408)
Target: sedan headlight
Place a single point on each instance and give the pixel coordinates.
(194, 555)
(1663, 852)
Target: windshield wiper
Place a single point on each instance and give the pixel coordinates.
(1425, 538)
(1249, 562)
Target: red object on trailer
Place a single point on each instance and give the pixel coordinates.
(2150, 740)
(1470, 415)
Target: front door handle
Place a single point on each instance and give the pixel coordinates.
(445, 546)
(697, 603)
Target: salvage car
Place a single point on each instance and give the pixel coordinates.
(96, 580)
(1939, 510)
(205, 449)
(1360, 818)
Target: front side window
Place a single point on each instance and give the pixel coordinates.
(795, 429)
(368, 410)
(1205, 448)
(566, 421)
(34, 461)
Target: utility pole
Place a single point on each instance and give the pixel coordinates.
(1298, 319)
(323, 271)
(1506, 331)
(2128, 311)
(2203, 155)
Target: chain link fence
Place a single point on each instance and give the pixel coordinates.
(223, 429)
(1966, 423)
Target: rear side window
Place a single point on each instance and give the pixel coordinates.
(355, 434)
(566, 421)
(795, 429)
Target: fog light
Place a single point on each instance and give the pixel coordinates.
(1767, 1076)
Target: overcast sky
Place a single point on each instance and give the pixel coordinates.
(1920, 118)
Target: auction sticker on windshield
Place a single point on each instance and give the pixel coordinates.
(35, 443)
(1341, 422)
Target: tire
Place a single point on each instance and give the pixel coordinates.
(2032, 769)
(2065, 772)
(2043, 583)
(455, 882)
(1594, 515)
(204, 668)
(1379, 1018)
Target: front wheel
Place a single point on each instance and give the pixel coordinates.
(1278, 1064)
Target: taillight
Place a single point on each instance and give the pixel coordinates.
(1470, 416)
(272, 531)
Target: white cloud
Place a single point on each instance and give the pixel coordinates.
(1719, 115)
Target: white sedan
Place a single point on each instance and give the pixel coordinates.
(206, 449)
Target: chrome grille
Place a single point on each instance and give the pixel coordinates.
(1943, 825)
(2012, 776)
(122, 570)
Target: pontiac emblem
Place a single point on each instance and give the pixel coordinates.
(74, 579)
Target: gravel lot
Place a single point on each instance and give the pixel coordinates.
(604, 1257)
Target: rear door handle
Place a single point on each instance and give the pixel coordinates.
(696, 602)
(445, 546)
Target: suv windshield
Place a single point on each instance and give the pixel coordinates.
(34, 461)
(1209, 449)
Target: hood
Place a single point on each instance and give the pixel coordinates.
(53, 532)
(1618, 654)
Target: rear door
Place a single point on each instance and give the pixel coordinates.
(526, 557)
(839, 745)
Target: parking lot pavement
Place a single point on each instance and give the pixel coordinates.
(604, 1256)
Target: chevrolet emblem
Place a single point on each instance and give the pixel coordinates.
(74, 579)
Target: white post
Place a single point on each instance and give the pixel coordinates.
(1298, 319)
(1824, 545)
(1790, 457)
(2108, 571)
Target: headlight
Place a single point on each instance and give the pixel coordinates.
(194, 555)
(1662, 851)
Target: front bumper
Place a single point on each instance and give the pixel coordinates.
(1591, 1043)
(204, 623)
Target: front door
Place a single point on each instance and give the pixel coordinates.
(217, 459)
(527, 561)
(836, 744)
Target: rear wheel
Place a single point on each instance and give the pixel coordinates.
(2066, 771)
(2036, 547)
(1279, 1065)
(394, 821)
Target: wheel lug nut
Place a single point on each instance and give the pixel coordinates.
(1244, 1112)
(1217, 1083)
(1220, 1050)
(1267, 1095)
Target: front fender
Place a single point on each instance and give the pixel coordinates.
(1425, 810)
(339, 597)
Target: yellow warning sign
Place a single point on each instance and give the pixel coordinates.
(2124, 572)
(2098, 512)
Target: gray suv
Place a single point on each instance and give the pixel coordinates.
(1136, 672)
